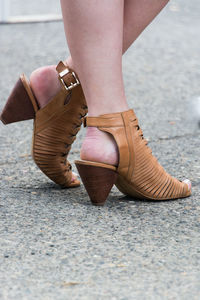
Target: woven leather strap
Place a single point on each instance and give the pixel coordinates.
(56, 126)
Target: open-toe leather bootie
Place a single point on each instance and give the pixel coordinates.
(55, 125)
(138, 173)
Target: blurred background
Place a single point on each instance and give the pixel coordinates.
(13, 8)
(21, 7)
(29, 7)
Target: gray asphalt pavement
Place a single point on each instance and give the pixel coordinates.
(53, 243)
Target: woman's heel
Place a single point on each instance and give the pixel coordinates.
(21, 104)
(98, 181)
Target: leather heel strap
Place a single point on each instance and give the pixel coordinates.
(109, 120)
(104, 121)
(67, 77)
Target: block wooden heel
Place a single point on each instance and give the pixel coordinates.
(97, 179)
(21, 104)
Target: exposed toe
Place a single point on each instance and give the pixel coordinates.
(189, 184)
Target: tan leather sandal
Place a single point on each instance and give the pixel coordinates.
(55, 125)
(138, 173)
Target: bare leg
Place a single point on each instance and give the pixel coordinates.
(97, 51)
(137, 16)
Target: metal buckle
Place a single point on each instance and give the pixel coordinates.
(72, 84)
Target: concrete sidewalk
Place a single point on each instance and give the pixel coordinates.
(53, 243)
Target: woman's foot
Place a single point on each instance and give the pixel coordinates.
(45, 85)
(139, 173)
(99, 146)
